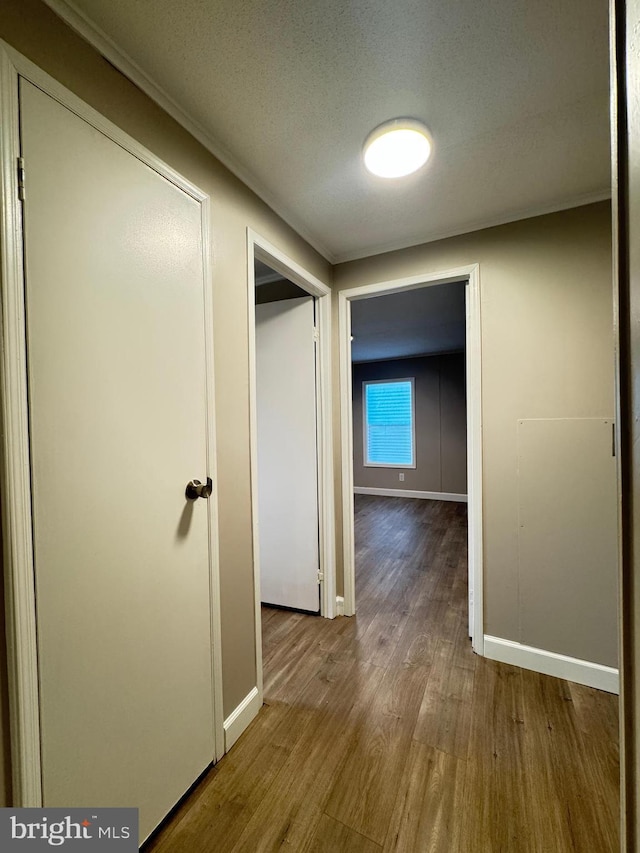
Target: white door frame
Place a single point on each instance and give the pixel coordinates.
(261, 249)
(470, 274)
(15, 482)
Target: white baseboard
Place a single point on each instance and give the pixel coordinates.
(550, 663)
(240, 717)
(409, 493)
(339, 605)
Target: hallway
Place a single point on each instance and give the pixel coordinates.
(384, 732)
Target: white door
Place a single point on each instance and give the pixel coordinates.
(287, 453)
(116, 371)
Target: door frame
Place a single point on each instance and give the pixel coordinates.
(471, 275)
(259, 248)
(15, 476)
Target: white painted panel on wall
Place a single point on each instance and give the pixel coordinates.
(287, 453)
(568, 537)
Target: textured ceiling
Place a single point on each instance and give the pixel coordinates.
(514, 92)
(415, 322)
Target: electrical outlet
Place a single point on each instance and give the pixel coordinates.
(401, 477)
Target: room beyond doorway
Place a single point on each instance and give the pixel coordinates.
(470, 277)
(409, 399)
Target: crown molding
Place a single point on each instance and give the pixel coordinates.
(479, 225)
(100, 41)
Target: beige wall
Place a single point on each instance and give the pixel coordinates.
(30, 27)
(440, 424)
(547, 352)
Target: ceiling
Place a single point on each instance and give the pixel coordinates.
(264, 274)
(426, 321)
(422, 321)
(514, 92)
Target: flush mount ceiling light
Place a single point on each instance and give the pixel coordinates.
(397, 148)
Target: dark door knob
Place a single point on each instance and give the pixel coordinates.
(196, 489)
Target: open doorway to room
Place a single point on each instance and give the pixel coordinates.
(286, 423)
(291, 453)
(410, 455)
(415, 341)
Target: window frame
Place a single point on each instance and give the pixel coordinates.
(365, 443)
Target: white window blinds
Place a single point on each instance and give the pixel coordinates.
(389, 423)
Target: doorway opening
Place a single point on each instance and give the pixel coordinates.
(468, 278)
(286, 423)
(289, 316)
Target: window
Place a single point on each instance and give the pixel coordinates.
(389, 432)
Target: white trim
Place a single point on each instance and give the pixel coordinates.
(16, 477)
(339, 605)
(470, 274)
(288, 268)
(473, 312)
(411, 282)
(550, 663)
(326, 483)
(16, 507)
(98, 39)
(346, 446)
(253, 461)
(240, 717)
(260, 248)
(409, 493)
(212, 503)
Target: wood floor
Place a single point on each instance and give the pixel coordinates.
(384, 732)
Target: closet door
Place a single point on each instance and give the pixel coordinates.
(117, 391)
(287, 453)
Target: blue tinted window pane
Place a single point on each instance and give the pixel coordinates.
(389, 423)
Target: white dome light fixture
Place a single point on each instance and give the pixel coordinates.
(397, 148)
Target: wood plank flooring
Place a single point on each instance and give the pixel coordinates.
(384, 732)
